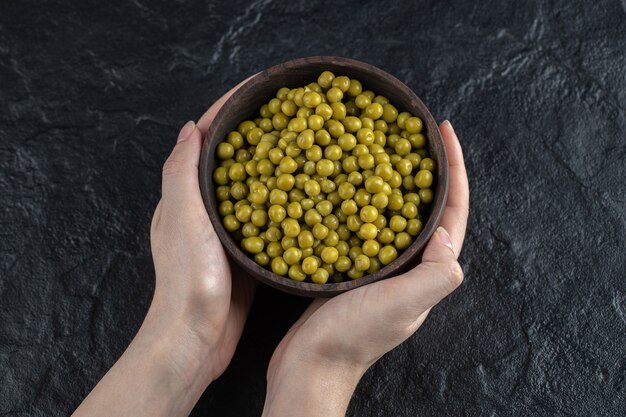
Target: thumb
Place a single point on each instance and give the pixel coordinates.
(427, 284)
(180, 171)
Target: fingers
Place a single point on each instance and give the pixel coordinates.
(457, 208)
(180, 171)
(436, 277)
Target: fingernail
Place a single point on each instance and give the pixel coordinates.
(447, 122)
(186, 131)
(444, 237)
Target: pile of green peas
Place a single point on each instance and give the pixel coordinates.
(331, 181)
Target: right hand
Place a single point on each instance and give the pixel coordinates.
(336, 340)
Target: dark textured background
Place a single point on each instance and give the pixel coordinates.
(92, 97)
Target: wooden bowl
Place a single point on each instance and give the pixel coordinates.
(259, 89)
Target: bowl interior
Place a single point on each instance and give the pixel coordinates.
(259, 89)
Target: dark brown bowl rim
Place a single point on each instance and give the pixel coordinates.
(408, 257)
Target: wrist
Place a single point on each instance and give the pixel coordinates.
(308, 388)
(187, 356)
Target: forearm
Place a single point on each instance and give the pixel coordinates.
(311, 390)
(160, 374)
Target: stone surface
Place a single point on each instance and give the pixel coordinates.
(92, 95)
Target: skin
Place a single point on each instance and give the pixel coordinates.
(201, 302)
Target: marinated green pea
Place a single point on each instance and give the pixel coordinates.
(288, 165)
(288, 242)
(402, 118)
(324, 167)
(414, 227)
(322, 137)
(274, 249)
(243, 213)
(325, 111)
(423, 178)
(343, 263)
(412, 198)
(324, 207)
(329, 255)
(383, 170)
(312, 188)
(278, 197)
(352, 124)
(285, 182)
(306, 139)
(320, 276)
(297, 195)
(403, 147)
(366, 161)
(277, 213)
(310, 265)
(259, 218)
(312, 217)
(296, 273)
(342, 83)
(225, 208)
(380, 200)
(231, 223)
(397, 223)
(333, 152)
(403, 240)
(334, 95)
(387, 254)
(262, 258)
(346, 190)
(426, 195)
(327, 186)
(297, 124)
(225, 150)
(355, 88)
(320, 231)
(253, 244)
(335, 128)
(386, 236)
(404, 167)
(362, 263)
(365, 136)
(428, 164)
(362, 101)
(274, 106)
(350, 165)
(235, 138)
(314, 154)
(381, 127)
(374, 111)
(315, 122)
(294, 210)
(418, 140)
(409, 211)
(292, 255)
(311, 99)
(331, 221)
(325, 80)
(353, 273)
(362, 197)
(279, 266)
(339, 111)
(237, 172)
(368, 214)
(347, 141)
(371, 248)
(291, 227)
(390, 113)
(349, 207)
(307, 252)
(238, 191)
(280, 121)
(413, 125)
(368, 231)
(273, 234)
(220, 176)
(374, 184)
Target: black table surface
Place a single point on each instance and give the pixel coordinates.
(92, 95)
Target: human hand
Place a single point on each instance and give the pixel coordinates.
(196, 285)
(199, 306)
(325, 353)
